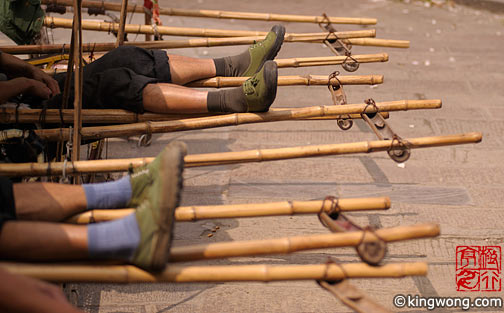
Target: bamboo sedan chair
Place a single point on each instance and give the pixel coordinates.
(338, 82)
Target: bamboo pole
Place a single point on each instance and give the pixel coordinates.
(110, 6)
(98, 132)
(259, 155)
(331, 60)
(194, 43)
(195, 213)
(122, 23)
(50, 21)
(224, 273)
(78, 72)
(117, 116)
(287, 245)
(147, 21)
(376, 42)
(308, 80)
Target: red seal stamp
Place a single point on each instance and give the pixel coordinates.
(478, 268)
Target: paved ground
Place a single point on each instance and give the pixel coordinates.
(455, 55)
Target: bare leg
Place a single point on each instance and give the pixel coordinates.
(186, 69)
(48, 201)
(170, 98)
(24, 240)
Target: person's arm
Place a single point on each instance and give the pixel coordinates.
(15, 67)
(20, 294)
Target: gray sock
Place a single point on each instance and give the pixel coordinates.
(109, 195)
(232, 66)
(230, 100)
(116, 239)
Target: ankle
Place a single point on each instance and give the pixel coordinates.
(232, 66)
(116, 239)
(227, 101)
(109, 195)
(220, 66)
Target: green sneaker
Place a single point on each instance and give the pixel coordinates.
(265, 50)
(143, 177)
(252, 60)
(260, 89)
(156, 214)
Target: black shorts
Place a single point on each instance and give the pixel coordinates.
(116, 80)
(7, 207)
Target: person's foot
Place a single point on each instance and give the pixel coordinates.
(260, 89)
(143, 177)
(255, 95)
(251, 61)
(156, 214)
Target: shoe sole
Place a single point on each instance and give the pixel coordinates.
(271, 81)
(276, 46)
(171, 170)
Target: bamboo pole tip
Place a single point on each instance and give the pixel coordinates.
(386, 202)
(415, 269)
(475, 137)
(377, 79)
(385, 57)
(433, 229)
(373, 32)
(369, 21)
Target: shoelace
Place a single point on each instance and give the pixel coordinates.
(258, 44)
(250, 84)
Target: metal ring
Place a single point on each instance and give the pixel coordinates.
(402, 152)
(371, 252)
(144, 140)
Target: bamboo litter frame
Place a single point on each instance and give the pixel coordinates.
(57, 22)
(195, 213)
(118, 116)
(225, 158)
(194, 43)
(224, 14)
(70, 273)
(287, 245)
(98, 132)
(308, 61)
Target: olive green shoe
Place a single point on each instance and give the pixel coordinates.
(143, 177)
(265, 50)
(251, 61)
(260, 89)
(156, 214)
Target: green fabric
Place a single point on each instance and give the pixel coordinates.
(21, 20)
(258, 54)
